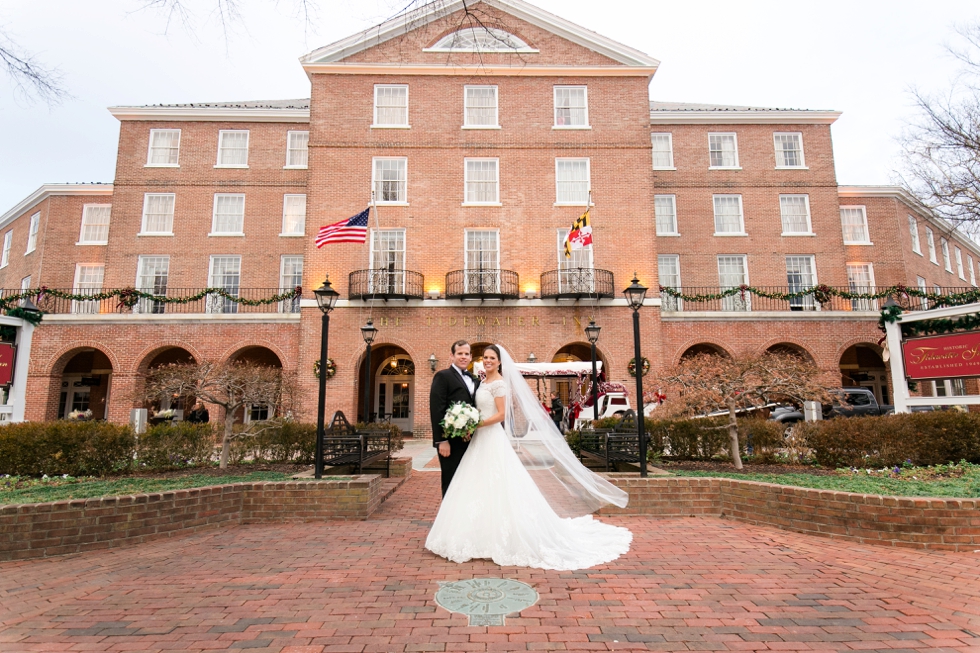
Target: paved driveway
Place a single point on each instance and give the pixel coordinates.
(687, 584)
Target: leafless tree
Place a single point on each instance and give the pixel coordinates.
(31, 79)
(942, 145)
(708, 383)
(232, 386)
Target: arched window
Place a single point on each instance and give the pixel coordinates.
(398, 366)
(480, 39)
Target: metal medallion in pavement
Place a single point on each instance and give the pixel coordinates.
(486, 601)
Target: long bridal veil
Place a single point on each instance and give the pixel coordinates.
(570, 488)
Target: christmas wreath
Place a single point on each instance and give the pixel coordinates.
(644, 364)
(331, 368)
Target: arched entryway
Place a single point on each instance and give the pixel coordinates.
(572, 352)
(85, 385)
(161, 357)
(790, 348)
(861, 366)
(257, 355)
(392, 386)
(704, 348)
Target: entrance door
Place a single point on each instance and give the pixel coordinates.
(395, 392)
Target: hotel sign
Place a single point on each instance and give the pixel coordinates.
(7, 354)
(942, 357)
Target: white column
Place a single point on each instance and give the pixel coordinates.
(896, 362)
(18, 389)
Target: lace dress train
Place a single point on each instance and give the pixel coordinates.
(494, 510)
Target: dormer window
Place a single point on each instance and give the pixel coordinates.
(480, 39)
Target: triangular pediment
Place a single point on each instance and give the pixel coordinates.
(610, 51)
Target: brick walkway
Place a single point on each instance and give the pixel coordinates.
(688, 584)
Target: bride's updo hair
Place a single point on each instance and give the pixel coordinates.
(496, 350)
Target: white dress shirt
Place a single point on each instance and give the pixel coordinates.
(467, 379)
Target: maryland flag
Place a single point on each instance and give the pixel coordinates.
(580, 235)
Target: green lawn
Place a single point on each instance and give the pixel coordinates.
(966, 486)
(15, 489)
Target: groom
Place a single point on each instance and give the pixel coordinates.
(449, 386)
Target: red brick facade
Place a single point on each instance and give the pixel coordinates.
(337, 184)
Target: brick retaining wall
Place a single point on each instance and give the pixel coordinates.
(46, 529)
(925, 523)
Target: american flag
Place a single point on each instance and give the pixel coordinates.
(352, 230)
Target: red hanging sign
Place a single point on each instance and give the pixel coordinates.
(942, 357)
(8, 352)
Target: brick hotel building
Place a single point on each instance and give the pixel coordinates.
(481, 146)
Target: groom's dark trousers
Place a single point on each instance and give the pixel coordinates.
(448, 387)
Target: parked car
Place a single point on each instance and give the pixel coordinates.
(848, 402)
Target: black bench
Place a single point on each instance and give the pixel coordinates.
(621, 444)
(343, 444)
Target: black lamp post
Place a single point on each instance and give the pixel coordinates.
(368, 332)
(635, 295)
(592, 333)
(326, 299)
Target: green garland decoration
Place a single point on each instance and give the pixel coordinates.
(941, 325)
(33, 317)
(644, 364)
(331, 368)
(823, 294)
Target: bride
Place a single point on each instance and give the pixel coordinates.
(520, 497)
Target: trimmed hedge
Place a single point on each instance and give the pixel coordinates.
(292, 442)
(171, 446)
(63, 447)
(932, 438)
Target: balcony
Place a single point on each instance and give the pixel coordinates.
(386, 284)
(482, 284)
(808, 302)
(577, 283)
(209, 303)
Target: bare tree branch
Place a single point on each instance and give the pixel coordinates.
(32, 79)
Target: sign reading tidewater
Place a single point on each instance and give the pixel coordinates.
(942, 357)
(8, 352)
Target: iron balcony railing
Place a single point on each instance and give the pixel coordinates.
(577, 283)
(207, 304)
(482, 284)
(748, 301)
(386, 284)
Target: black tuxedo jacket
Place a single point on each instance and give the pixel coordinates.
(447, 388)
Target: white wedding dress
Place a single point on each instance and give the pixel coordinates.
(494, 510)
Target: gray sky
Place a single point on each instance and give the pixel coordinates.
(855, 56)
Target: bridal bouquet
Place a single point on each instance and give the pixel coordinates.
(460, 420)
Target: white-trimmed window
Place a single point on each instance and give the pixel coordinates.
(390, 105)
(944, 247)
(228, 218)
(973, 273)
(293, 215)
(923, 301)
(665, 208)
(663, 151)
(958, 255)
(232, 148)
(226, 273)
(576, 272)
(854, 225)
(25, 283)
(32, 233)
(914, 235)
(482, 260)
(290, 276)
(931, 244)
(297, 149)
(789, 149)
(723, 150)
(152, 276)
(861, 279)
(390, 180)
(801, 274)
(164, 148)
(480, 107)
(572, 181)
(8, 239)
(733, 271)
(158, 214)
(669, 275)
(580, 258)
(387, 261)
(95, 224)
(88, 281)
(571, 107)
(728, 215)
(481, 181)
(794, 210)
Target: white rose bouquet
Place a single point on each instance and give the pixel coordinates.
(460, 420)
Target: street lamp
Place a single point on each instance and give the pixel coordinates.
(592, 333)
(368, 332)
(433, 361)
(326, 299)
(635, 295)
